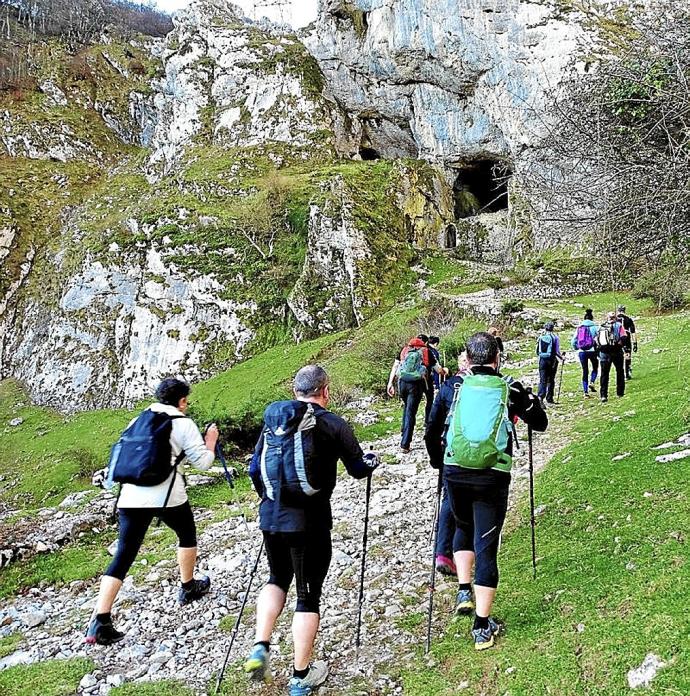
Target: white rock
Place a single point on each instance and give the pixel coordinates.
(646, 672)
(88, 681)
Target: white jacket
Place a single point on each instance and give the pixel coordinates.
(184, 436)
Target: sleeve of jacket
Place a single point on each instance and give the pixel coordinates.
(433, 437)
(350, 451)
(527, 408)
(255, 467)
(191, 441)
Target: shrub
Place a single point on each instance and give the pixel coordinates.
(666, 287)
(509, 307)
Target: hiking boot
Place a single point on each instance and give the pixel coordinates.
(445, 565)
(257, 665)
(198, 589)
(592, 388)
(464, 603)
(484, 638)
(102, 632)
(318, 672)
(604, 399)
(586, 395)
(405, 450)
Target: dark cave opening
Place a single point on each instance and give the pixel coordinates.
(368, 154)
(481, 187)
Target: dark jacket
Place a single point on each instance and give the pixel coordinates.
(334, 440)
(521, 404)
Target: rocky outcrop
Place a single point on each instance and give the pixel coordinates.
(452, 83)
(234, 84)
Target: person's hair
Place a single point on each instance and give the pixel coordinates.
(434, 340)
(549, 326)
(171, 390)
(310, 380)
(493, 331)
(482, 348)
(423, 337)
(589, 314)
(611, 316)
(621, 308)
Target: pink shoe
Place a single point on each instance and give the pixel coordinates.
(445, 565)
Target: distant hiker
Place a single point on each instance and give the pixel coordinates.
(629, 340)
(495, 333)
(549, 352)
(470, 435)
(445, 563)
(610, 339)
(433, 344)
(153, 487)
(294, 470)
(412, 371)
(585, 341)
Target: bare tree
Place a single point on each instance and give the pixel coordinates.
(617, 162)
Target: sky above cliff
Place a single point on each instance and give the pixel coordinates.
(301, 12)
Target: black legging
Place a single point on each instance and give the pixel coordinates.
(133, 525)
(303, 556)
(479, 501)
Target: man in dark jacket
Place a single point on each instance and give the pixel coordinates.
(478, 498)
(297, 528)
(611, 340)
(629, 340)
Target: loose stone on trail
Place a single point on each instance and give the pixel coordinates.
(643, 675)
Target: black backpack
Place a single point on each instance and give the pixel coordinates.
(142, 456)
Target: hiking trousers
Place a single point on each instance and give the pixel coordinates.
(479, 501)
(548, 367)
(616, 360)
(304, 557)
(446, 529)
(587, 357)
(411, 394)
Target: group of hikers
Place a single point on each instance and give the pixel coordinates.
(610, 344)
(469, 436)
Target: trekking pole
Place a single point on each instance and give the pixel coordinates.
(231, 482)
(239, 618)
(432, 581)
(531, 501)
(560, 381)
(364, 560)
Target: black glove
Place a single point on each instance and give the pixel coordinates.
(634, 347)
(371, 459)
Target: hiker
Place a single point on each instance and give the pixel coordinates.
(493, 330)
(476, 471)
(585, 341)
(433, 344)
(138, 505)
(629, 340)
(549, 352)
(412, 372)
(610, 339)
(445, 564)
(294, 470)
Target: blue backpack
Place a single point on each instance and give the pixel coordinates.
(143, 455)
(287, 467)
(546, 345)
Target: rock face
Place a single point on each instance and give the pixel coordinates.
(455, 83)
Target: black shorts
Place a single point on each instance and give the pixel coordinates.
(134, 522)
(305, 557)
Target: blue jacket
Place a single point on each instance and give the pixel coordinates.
(334, 440)
(593, 330)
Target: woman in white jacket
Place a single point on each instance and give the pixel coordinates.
(139, 505)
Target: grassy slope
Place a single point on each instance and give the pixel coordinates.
(56, 678)
(613, 559)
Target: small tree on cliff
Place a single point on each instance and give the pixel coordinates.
(618, 159)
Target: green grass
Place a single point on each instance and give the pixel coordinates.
(55, 677)
(10, 643)
(611, 558)
(165, 687)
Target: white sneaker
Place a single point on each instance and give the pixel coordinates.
(318, 671)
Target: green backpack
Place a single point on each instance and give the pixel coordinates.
(478, 424)
(412, 367)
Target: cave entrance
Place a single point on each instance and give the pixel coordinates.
(481, 187)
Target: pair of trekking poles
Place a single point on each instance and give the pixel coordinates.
(436, 524)
(360, 602)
